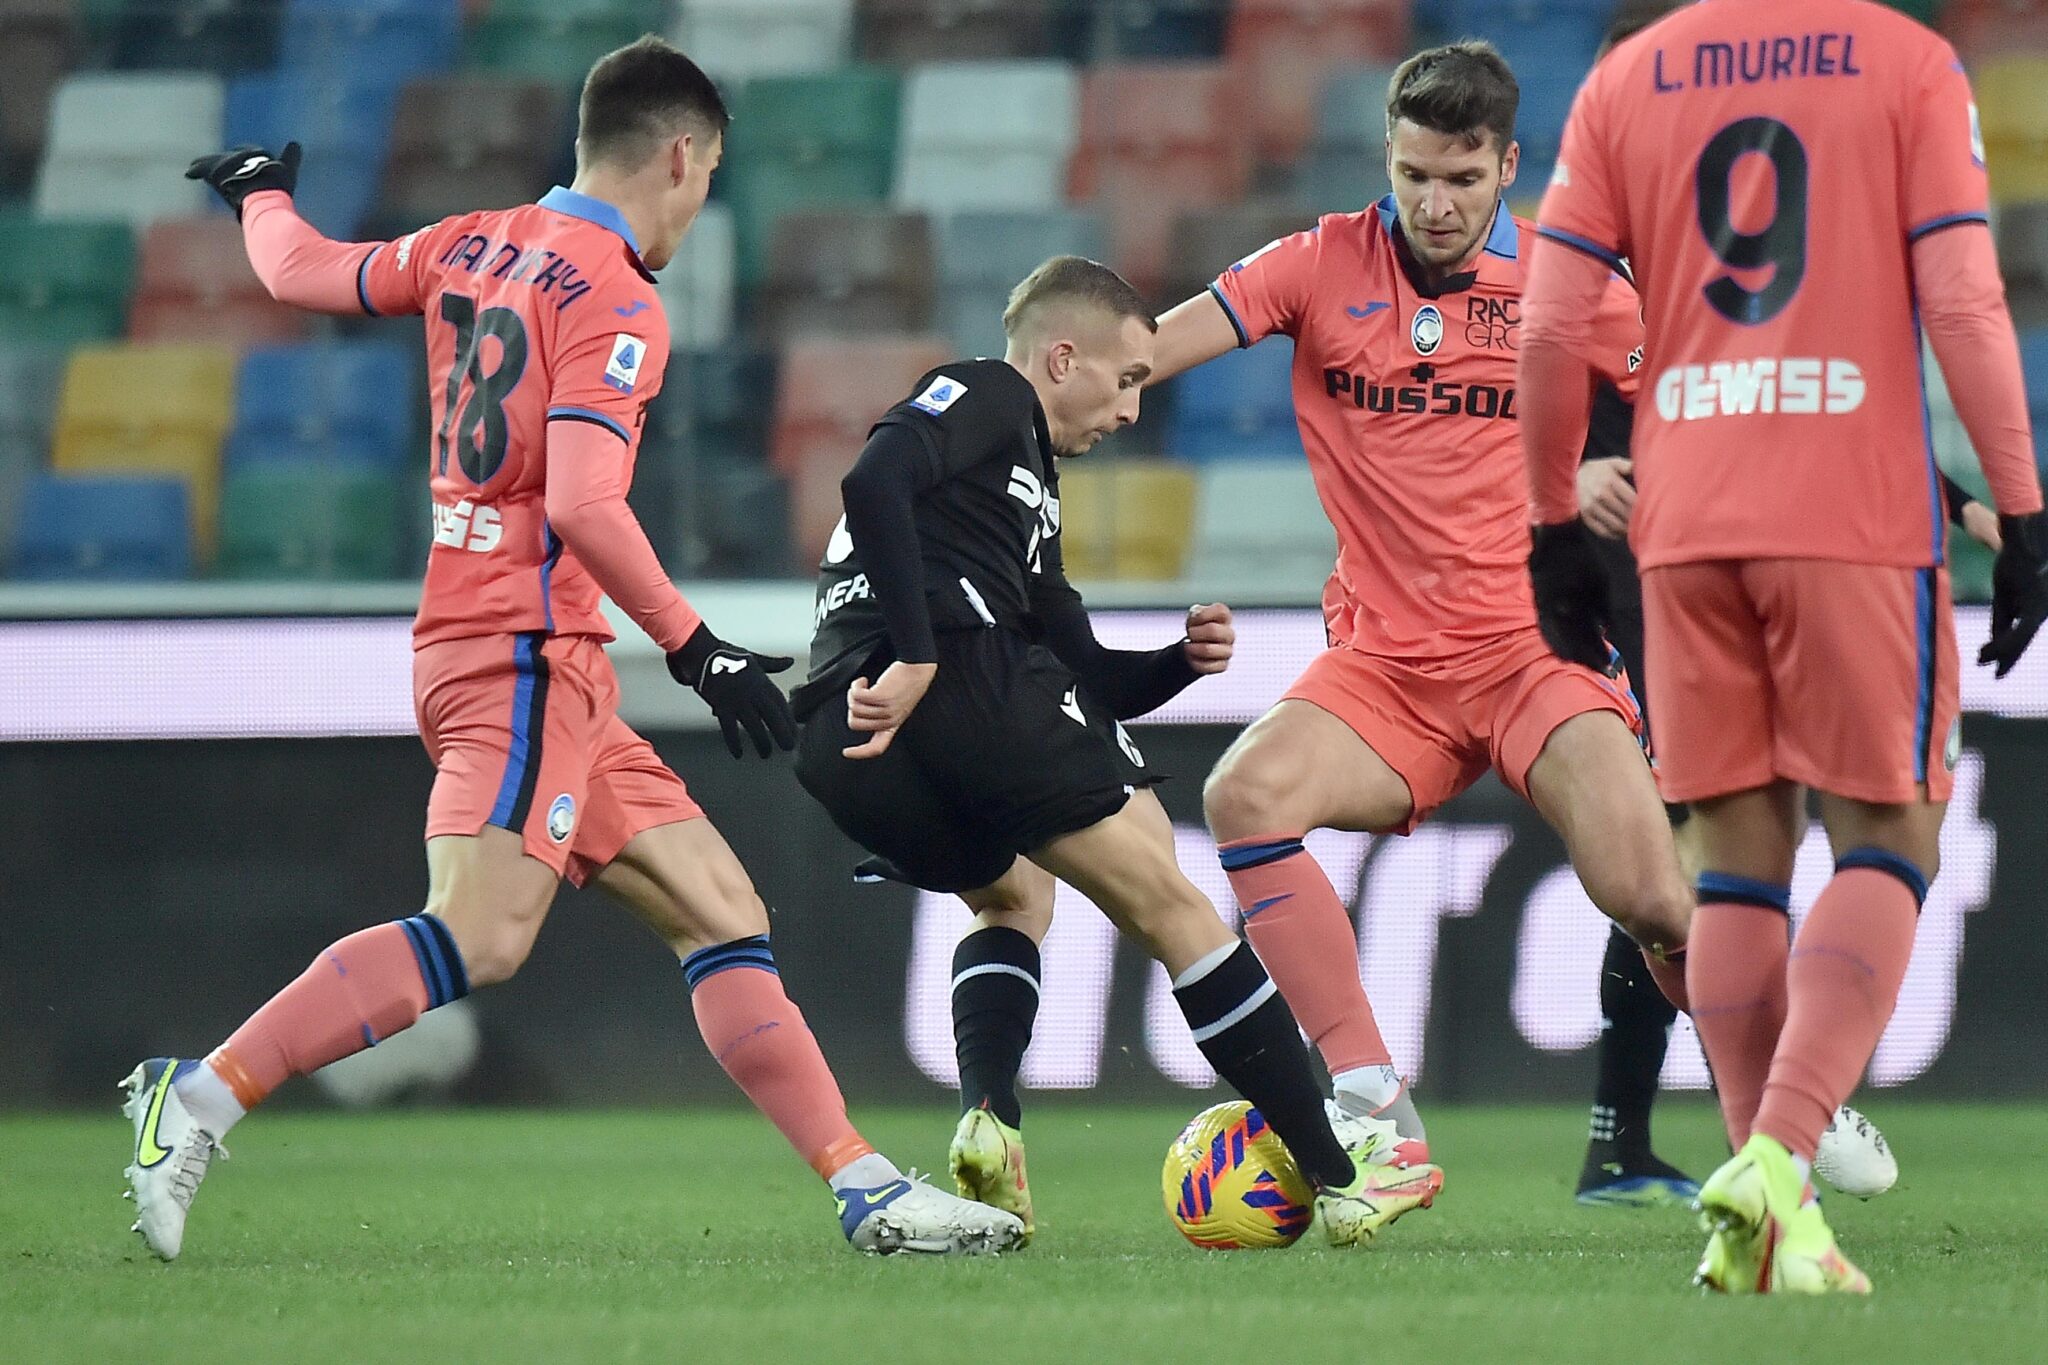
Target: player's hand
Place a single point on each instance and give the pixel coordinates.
(734, 683)
(243, 171)
(1980, 523)
(1606, 497)
(2019, 590)
(1210, 638)
(1571, 593)
(880, 710)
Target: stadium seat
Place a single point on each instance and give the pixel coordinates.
(390, 41)
(1125, 30)
(831, 391)
(150, 410)
(808, 141)
(1239, 406)
(737, 40)
(1125, 519)
(65, 282)
(345, 402)
(2012, 102)
(102, 528)
(1285, 50)
(696, 287)
(1260, 525)
(847, 271)
(195, 284)
(119, 144)
(38, 42)
(907, 31)
(1346, 165)
(1207, 243)
(986, 135)
(557, 40)
(2022, 230)
(1158, 139)
(470, 142)
(225, 37)
(343, 122)
(1550, 50)
(309, 519)
(714, 402)
(30, 376)
(2034, 362)
(982, 257)
(1981, 29)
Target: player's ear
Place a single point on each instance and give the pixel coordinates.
(1510, 162)
(1059, 360)
(679, 153)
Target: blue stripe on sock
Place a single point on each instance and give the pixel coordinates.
(1242, 856)
(1267, 904)
(417, 937)
(720, 957)
(369, 1038)
(1884, 860)
(1726, 886)
(447, 953)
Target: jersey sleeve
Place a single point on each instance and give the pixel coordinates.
(396, 278)
(1268, 291)
(1942, 180)
(1582, 207)
(605, 372)
(963, 413)
(1617, 346)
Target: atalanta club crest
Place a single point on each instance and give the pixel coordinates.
(1427, 331)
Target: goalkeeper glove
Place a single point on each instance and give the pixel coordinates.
(237, 174)
(2019, 590)
(1571, 593)
(734, 683)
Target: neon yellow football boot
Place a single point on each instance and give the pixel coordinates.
(1379, 1194)
(1764, 1237)
(987, 1157)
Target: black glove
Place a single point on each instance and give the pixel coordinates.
(1571, 593)
(2019, 590)
(734, 683)
(237, 174)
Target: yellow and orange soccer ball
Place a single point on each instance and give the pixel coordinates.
(1231, 1186)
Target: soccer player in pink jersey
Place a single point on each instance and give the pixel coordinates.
(1800, 188)
(546, 341)
(1405, 319)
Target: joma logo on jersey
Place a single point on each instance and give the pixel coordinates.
(465, 526)
(1737, 388)
(1492, 323)
(1439, 399)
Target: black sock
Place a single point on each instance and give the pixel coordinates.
(1249, 1035)
(1635, 1030)
(995, 1002)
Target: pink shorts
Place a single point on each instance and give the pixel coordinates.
(1841, 677)
(1440, 725)
(525, 734)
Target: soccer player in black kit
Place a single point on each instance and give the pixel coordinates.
(962, 723)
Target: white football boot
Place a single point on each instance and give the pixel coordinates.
(906, 1214)
(171, 1155)
(1376, 1141)
(1854, 1157)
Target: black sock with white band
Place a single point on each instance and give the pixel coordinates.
(995, 1003)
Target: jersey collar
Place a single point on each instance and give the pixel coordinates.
(1503, 243)
(564, 200)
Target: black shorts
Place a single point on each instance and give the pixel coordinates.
(1005, 753)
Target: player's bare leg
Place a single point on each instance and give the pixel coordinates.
(485, 905)
(1591, 784)
(1125, 864)
(1299, 768)
(684, 882)
(995, 1004)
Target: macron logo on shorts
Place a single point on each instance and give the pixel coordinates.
(940, 394)
(622, 371)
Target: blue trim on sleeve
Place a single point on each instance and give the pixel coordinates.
(1947, 221)
(591, 415)
(363, 281)
(1611, 258)
(1244, 338)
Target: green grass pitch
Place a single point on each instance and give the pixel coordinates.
(516, 1235)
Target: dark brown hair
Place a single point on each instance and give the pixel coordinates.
(1460, 90)
(1632, 18)
(1076, 277)
(638, 95)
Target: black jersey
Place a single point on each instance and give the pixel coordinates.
(987, 515)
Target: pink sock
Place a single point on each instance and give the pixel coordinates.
(357, 993)
(1841, 983)
(1736, 975)
(1669, 974)
(1303, 934)
(759, 1036)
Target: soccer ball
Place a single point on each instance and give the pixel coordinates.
(1231, 1186)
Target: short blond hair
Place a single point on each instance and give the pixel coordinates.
(1079, 279)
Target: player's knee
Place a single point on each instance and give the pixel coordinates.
(1651, 906)
(1246, 796)
(495, 952)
